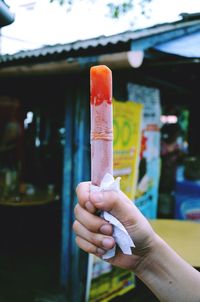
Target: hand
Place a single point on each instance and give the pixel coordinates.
(166, 274)
(94, 234)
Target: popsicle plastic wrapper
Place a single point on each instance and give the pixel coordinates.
(102, 150)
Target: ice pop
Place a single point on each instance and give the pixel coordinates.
(101, 123)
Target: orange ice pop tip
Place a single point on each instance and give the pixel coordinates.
(100, 69)
(100, 85)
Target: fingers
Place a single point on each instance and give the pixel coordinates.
(89, 247)
(118, 204)
(92, 222)
(93, 233)
(83, 194)
(95, 239)
(82, 191)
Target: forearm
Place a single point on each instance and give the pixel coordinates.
(168, 276)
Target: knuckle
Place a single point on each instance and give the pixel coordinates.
(75, 226)
(78, 188)
(76, 209)
(82, 193)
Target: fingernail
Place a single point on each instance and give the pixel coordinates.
(100, 251)
(106, 229)
(107, 243)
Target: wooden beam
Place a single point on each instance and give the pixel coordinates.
(73, 65)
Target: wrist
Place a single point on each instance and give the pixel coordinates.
(168, 275)
(150, 258)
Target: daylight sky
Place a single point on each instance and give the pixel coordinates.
(38, 23)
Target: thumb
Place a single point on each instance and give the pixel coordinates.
(117, 204)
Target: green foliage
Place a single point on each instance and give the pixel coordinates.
(115, 10)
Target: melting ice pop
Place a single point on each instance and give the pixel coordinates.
(101, 123)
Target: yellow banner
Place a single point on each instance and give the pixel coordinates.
(127, 121)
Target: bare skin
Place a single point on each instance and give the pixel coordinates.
(167, 275)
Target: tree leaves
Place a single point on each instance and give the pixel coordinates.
(115, 10)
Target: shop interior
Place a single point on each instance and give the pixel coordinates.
(31, 156)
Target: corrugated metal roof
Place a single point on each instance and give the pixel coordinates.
(102, 43)
(187, 46)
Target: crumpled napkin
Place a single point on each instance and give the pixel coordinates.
(120, 234)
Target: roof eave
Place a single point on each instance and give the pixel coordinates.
(127, 41)
(6, 17)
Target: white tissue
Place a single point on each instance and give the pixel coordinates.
(120, 234)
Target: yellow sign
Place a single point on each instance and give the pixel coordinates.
(127, 121)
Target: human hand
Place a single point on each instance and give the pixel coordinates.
(94, 234)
